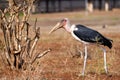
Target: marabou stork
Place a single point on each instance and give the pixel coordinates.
(86, 36)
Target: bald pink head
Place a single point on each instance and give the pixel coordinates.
(64, 23)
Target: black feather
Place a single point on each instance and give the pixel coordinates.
(89, 35)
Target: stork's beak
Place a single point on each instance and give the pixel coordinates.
(56, 27)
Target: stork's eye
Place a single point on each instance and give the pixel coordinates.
(64, 20)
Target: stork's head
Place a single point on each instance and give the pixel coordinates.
(64, 23)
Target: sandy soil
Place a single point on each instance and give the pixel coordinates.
(64, 62)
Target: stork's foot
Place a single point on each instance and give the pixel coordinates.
(106, 71)
(81, 75)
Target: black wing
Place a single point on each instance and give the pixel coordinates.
(92, 36)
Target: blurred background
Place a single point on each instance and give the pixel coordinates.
(60, 63)
(45, 6)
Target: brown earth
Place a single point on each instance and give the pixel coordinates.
(63, 62)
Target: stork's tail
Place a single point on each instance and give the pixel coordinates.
(108, 43)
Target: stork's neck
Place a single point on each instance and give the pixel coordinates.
(67, 27)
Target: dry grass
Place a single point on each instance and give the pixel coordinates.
(59, 63)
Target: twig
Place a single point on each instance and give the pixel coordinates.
(39, 55)
(44, 53)
(36, 38)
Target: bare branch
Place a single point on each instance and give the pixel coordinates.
(44, 53)
(39, 55)
(33, 46)
(19, 44)
(36, 38)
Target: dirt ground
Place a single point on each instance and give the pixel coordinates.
(64, 61)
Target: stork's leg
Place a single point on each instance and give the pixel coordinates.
(85, 58)
(105, 63)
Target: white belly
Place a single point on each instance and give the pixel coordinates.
(72, 29)
(78, 38)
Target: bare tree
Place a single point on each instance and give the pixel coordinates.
(19, 45)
